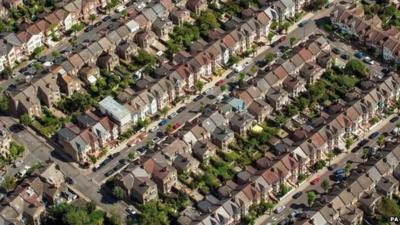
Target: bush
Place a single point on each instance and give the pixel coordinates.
(319, 165)
(16, 150)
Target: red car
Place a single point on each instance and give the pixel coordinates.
(176, 125)
(316, 181)
(283, 38)
(220, 82)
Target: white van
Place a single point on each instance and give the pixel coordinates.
(120, 8)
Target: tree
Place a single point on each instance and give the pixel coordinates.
(356, 67)
(347, 168)
(223, 88)
(317, 4)
(388, 207)
(365, 153)
(3, 104)
(77, 216)
(153, 212)
(292, 41)
(380, 140)
(115, 218)
(286, 26)
(269, 57)
(144, 58)
(199, 85)
(330, 156)
(9, 183)
(118, 192)
(270, 37)
(325, 185)
(164, 111)
(168, 129)
(311, 196)
(131, 155)
(92, 18)
(349, 142)
(124, 13)
(25, 120)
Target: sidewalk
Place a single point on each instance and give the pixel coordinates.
(261, 220)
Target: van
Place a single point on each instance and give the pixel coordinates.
(280, 209)
(120, 8)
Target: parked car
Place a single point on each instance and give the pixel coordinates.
(303, 23)
(109, 173)
(142, 150)
(359, 55)
(162, 122)
(294, 213)
(394, 119)
(181, 109)
(285, 221)
(362, 143)
(89, 28)
(368, 60)
(316, 181)
(297, 195)
(172, 115)
(131, 210)
(120, 8)
(106, 18)
(336, 51)
(69, 180)
(339, 171)
(197, 98)
(176, 126)
(97, 24)
(332, 166)
(154, 129)
(280, 209)
(23, 171)
(156, 140)
(283, 38)
(374, 135)
(344, 56)
(220, 83)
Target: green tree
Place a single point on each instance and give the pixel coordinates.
(349, 142)
(9, 183)
(311, 196)
(325, 185)
(347, 168)
(223, 88)
(3, 104)
(124, 13)
(285, 26)
(115, 218)
(270, 37)
(199, 85)
(380, 140)
(144, 58)
(92, 18)
(269, 57)
(153, 212)
(330, 156)
(317, 4)
(164, 111)
(388, 207)
(118, 192)
(365, 153)
(356, 67)
(131, 156)
(292, 41)
(168, 129)
(25, 120)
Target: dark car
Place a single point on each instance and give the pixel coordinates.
(112, 156)
(286, 221)
(123, 161)
(109, 173)
(385, 71)
(332, 166)
(89, 28)
(12, 87)
(142, 150)
(394, 119)
(197, 98)
(362, 143)
(162, 122)
(181, 109)
(97, 24)
(344, 56)
(106, 18)
(297, 195)
(374, 135)
(69, 180)
(336, 50)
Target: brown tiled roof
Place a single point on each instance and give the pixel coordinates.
(305, 54)
(280, 72)
(42, 25)
(229, 41)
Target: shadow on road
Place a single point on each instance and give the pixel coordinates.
(106, 195)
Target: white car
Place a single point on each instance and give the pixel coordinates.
(23, 171)
(154, 129)
(172, 115)
(368, 60)
(120, 8)
(280, 209)
(131, 210)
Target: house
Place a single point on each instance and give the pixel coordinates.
(260, 110)
(285, 9)
(196, 6)
(108, 61)
(388, 186)
(145, 39)
(180, 16)
(5, 141)
(89, 74)
(176, 147)
(151, 102)
(126, 50)
(311, 72)
(89, 7)
(31, 38)
(164, 175)
(162, 28)
(68, 85)
(24, 101)
(186, 163)
(222, 136)
(294, 86)
(73, 10)
(47, 90)
(204, 149)
(369, 202)
(118, 113)
(241, 123)
(12, 50)
(24, 204)
(277, 98)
